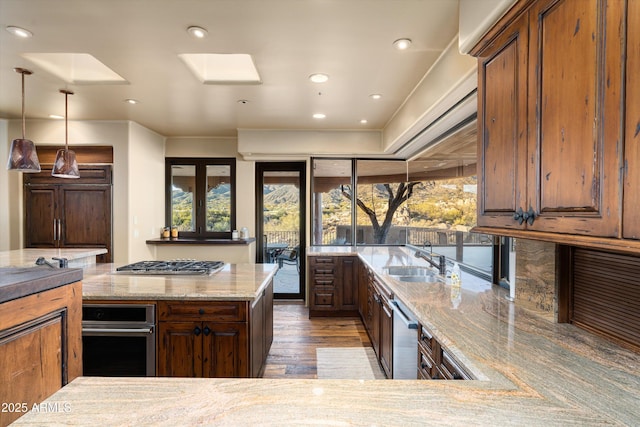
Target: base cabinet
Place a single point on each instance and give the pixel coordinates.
(333, 285)
(207, 339)
(435, 362)
(40, 347)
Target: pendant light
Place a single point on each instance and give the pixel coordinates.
(23, 156)
(66, 165)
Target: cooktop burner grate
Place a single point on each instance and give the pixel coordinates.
(175, 267)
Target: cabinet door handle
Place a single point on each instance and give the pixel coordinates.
(55, 230)
(519, 215)
(197, 331)
(206, 331)
(59, 229)
(529, 216)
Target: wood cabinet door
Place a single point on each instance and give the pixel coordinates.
(31, 366)
(631, 197)
(575, 120)
(268, 319)
(180, 349)
(40, 217)
(347, 283)
(225, 350)
(86, 217)
(502, 127)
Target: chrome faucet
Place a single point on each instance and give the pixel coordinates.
(441, 265)
(62, 262)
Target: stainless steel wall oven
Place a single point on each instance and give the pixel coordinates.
(118, 340)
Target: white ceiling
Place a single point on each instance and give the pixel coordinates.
(351, 40)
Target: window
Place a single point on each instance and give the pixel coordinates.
(332, 209)
(200, 196)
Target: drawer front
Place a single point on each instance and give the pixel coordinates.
(227, 311)
(451, 369)
(323, 280)
(426, 340)
(425, 363)
(322, 260)
(323, 298)
(323, 270)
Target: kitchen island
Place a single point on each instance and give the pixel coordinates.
(528, 370)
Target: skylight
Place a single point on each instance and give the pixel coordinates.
(76, 68)
(222, 68)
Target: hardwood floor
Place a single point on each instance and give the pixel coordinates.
(296, 337)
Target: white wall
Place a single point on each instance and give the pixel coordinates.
(285, 144)
(5, 187)
(145, 216)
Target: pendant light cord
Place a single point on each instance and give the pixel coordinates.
(23, 119)
(66, 122)
(66, 118)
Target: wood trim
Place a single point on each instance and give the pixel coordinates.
(625, 246)
(564, 281)
(85, 154)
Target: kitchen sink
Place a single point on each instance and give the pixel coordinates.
(412, 273)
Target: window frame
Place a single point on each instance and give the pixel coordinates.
(200, 221)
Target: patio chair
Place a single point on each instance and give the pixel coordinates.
(290, 256)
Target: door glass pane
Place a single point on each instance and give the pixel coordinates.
(183, 185)
(382, 216)
(218, 198)
(281, 226)
(332, 205)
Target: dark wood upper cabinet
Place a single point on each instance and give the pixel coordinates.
(551, 118)
(502, 122)
(69, 213)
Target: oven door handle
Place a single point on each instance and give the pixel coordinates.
(117, 331)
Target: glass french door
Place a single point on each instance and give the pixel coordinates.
(280, 224)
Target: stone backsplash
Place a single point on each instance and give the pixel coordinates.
(536, 276)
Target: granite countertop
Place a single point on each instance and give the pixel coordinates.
(27, 257)
(20, 282)
(239, 282)
(529, 371)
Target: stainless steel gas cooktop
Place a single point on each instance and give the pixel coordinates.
(176, 267)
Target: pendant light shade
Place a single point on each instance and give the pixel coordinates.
(23, 156)
(66, 165)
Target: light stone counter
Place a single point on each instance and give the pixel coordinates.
(238, 282)
(78, 258)
(530, 372)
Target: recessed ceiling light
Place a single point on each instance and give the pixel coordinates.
(243, 101)
(56, 116)
(375, 96)
(318, 77)
(131, 101)
(20, 32)
(197, 32)
(319, 116)
(402, 44)
(363, 121)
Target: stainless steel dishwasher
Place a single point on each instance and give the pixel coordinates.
(405, 343)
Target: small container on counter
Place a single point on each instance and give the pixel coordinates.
(165, 232)
(234, 235)
(174, 232)
(244, 233)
